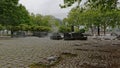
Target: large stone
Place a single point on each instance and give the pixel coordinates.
(52, 58)
(118, 37)
(40, 34)
(74, 36)
(56, 36)
(19, 34)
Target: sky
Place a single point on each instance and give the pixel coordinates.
(46, 7)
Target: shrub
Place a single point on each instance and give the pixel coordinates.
(82, 31)
(24, 27)
(40, 28)
(15, 28)
(64, 29)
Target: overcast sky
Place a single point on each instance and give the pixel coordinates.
(46, 7)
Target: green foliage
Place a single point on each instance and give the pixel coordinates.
(64, 29)
(1, 27)
(91, 17)
(14, 28)
(82, 31)
(24, 27)
(102, 4)
(23, 15)
(95, 12)
(75, 17)
(40, 28)
(15, 17)
(12, 13)
(40, 20)
(37, 20)
(68, 3)
(44, 21)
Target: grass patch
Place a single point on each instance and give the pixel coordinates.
(46, 65)
(37, 65)
(52, 64)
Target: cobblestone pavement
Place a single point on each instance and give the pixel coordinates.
(22, 52)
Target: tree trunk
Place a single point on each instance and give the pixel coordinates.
(92, 30)
(98, 30)
(0, 32)
(7, 32)
(72, 28)
(12, 33)
(104, 29)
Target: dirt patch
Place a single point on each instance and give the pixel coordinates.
(87, 43)
(116, 44)
(69, 54)
(99, 50)
(100, 57)
(82, 49)
(96, 65)
(77, 44)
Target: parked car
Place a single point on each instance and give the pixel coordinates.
(56, 36)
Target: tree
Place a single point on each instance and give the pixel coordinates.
(80, 17)
(7, 9)
(46, 21)
(12, 14)
(75, 17)
(64, 29)
(107, 4)
(102, 7)
(68, 3)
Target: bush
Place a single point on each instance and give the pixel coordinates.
(64, 29)
(82, 31)
(40, 28)
(24, 27)
(14, 28)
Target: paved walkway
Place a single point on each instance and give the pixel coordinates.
(22, 52)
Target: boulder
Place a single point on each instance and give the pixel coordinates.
(74, 36)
